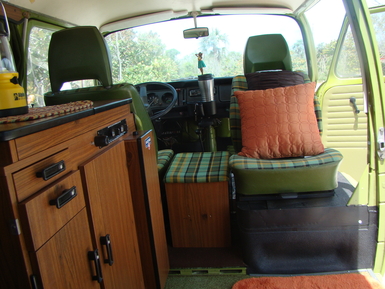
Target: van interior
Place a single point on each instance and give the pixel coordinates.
(159, 144)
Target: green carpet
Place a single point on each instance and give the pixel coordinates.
(203, 282)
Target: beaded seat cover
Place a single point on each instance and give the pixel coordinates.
(47, 111)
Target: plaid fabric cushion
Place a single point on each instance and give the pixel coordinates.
(164, 156)
(243, 163)
(198, 168)
(240, 84)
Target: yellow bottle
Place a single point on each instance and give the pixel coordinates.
(13, 100)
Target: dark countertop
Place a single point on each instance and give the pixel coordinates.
(15, 130)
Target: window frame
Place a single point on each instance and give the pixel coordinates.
(31, 25)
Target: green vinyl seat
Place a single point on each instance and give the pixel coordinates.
(81, 53)
(286, 177)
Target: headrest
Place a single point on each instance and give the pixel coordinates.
(266, 52)
(78, 53)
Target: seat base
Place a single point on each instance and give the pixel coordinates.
(286, 176)
(197, 191)
(199, 214)
(305, 195)
(320, 235)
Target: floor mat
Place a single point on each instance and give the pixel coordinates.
(203, 282)
(340, 281)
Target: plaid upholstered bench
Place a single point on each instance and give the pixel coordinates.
(198, 199)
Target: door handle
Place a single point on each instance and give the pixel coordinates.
(94, 256)
(64, 198)
(353, 102)
(106, 241)
(51, 171)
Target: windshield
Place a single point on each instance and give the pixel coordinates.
(158, 52)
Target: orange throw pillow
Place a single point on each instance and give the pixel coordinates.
(279, 122)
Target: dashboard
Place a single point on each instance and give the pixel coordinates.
(159, 97)
(178, 129)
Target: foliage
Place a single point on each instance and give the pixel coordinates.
(38, 81)
(298, 56)
(348, 63)
(143, 57)
(379, 28)
(325, 53)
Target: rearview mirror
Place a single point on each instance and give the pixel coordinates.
(196, 32)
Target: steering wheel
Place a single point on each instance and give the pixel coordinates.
(146, 86)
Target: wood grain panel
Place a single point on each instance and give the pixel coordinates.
(199, 214)
(26, 181)
(31, 144)
(108, 194)
(9, 154)
(13, 12)
(12, 263)
(63, 261)
(64, 240)
(148, 208)
(157, 228)
(45, 220)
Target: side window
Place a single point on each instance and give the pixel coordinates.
(325, 32)
(37, 66)
(38, 81)
(348, 63)
(379, 27)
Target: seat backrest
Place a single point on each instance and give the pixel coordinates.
(81, 53)
(78, 53)
(266, 52)
(265, 56)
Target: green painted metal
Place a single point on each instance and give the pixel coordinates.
(360, 21)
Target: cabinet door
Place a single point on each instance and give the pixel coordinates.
(108, 192)
(63, 261)
(148, 209)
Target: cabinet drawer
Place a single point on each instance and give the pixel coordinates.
(51, 168)
(48, 211)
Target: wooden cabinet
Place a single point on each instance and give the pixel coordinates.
(66, 212)
(199, 214)
(108, 193)
(55, 235)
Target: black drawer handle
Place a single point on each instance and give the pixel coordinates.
(64, 198)
(94, 256)
(106, 241)
(51, 171)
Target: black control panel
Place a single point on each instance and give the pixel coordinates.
(110, 133)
